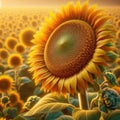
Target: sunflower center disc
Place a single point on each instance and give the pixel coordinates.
(69, 48)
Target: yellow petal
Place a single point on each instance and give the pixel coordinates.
(103, 42)
(99, 52)
(85, 9)
(73, 83)
(54, 81)
(100, 22)
(67, 85)
(48, 80)
(91, 67)
(80, 80)
(93, 14)
(100, 61)
(40, 72)
(85, 76)
(61, 84)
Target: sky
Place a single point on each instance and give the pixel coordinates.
(51, 3)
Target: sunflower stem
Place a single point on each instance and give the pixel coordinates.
(83, 100)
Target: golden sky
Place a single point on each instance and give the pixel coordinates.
(32, 3)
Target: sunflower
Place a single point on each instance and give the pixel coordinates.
(20, 48)
(71, 47)
(15, 60)
(6, 83)
(26, 35)
(10, 42)
(3, 53)
(14, 97)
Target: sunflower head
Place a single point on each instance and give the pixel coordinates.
(15, 60)
(5, 99)
(6, 83)
(20, 48)
(71, 47)
(4, 53)
(10, 42)
(26, 36)
(14, 97)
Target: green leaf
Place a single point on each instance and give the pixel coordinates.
(65, 117)
(86, 114)
(49, 103)
(114, 115)
(112, 55)
(20, 117)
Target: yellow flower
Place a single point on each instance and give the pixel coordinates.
(6, 83)
(15, 60)
(71, 46)
(10, 42)
(3, 53)
(26, 35)
(14, 97)
(20, 48)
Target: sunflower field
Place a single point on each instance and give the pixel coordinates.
(60, 64)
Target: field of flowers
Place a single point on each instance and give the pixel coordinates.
(30, 91)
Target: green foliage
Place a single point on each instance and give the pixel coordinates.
(114, 115)
(26, 87)
(49, 103)
(10, 112)
(112, 55)
(111, 78)
(86, 114)
(53, 115)
(11, 73)
(65, 117)
(24, 71)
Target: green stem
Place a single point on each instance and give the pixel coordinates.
(83, 100)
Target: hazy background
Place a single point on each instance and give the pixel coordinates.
(52, 3)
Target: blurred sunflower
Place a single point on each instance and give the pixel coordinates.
(6, 83)
(14, 97)
(19, 106)
(15, 60)
(72, 45)
(25, 36)
(10, 42)
(4, 53)
(20, 48)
